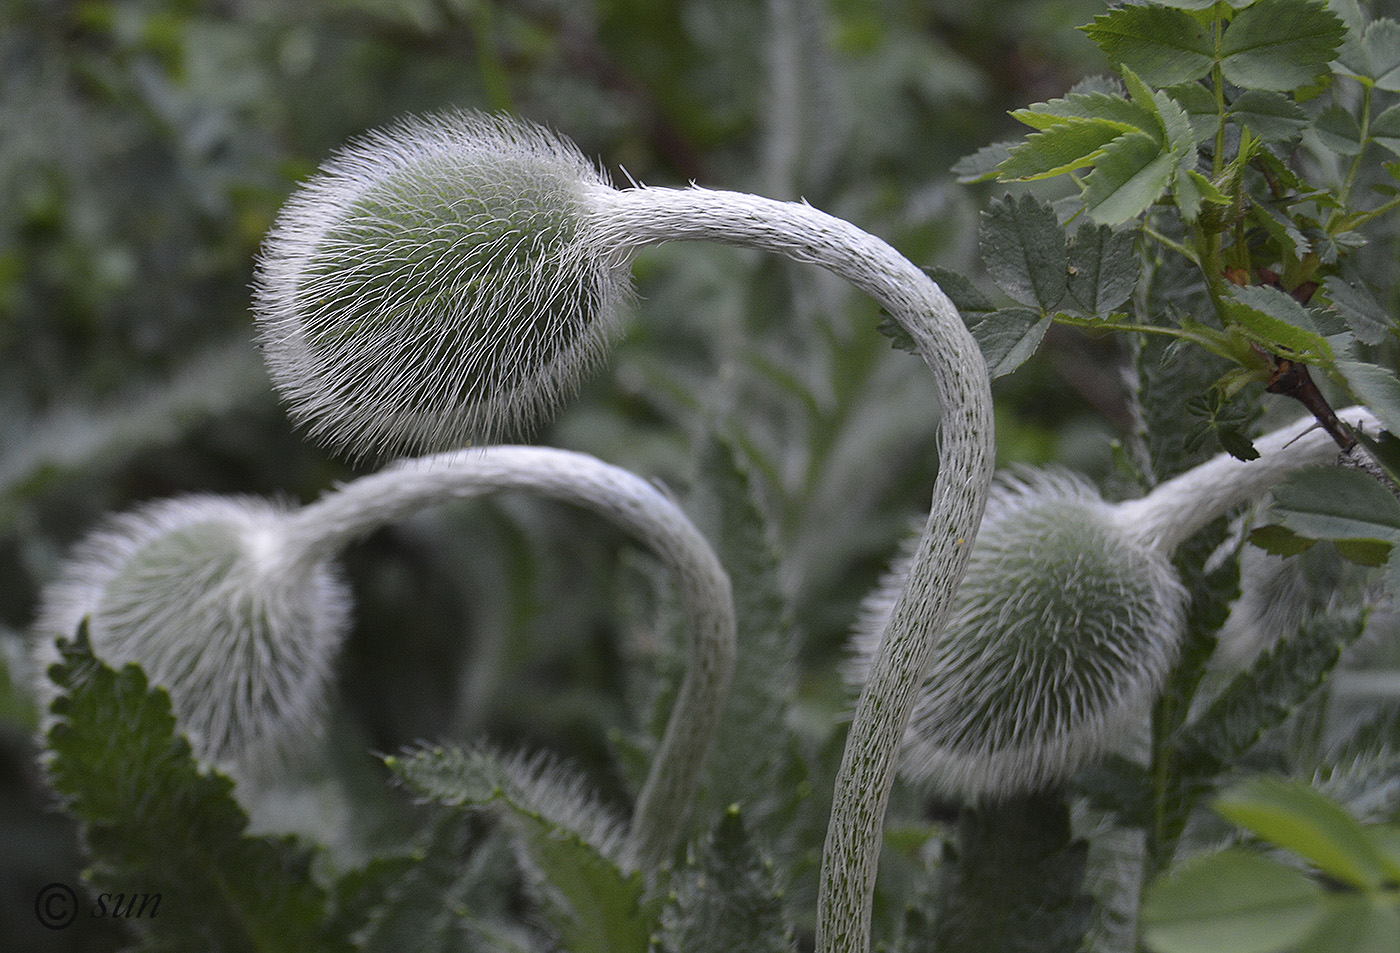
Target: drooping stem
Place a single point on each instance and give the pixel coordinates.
(637, 217)
(357, 508)
(1181, 507)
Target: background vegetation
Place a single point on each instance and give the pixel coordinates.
(145, 147)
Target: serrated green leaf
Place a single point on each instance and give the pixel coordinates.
(1009, 337)
(1364, 552)
(1339, 131)
(1280, 44)
(1131, 174)
(1177, 127)
(1103, 270)
(157, 823)
(1095, 106)
(1270, 116)
(1329, 503)
(590, 900)
(1373, 57)
(981, 166)
(1277, 322)
(1383, 48)
(1061, 148)
(1163, 46)
(1385, 838)
(1265, 695)
(1385, 129)
(1023, 248)
(1375, 386)
(727, 898)
(965, 295)
(1301, 819)
(1200, 109)
(1233, 900)
(1360, 310)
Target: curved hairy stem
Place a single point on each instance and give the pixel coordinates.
(1181, 507)
(635, 217)
(632, 503)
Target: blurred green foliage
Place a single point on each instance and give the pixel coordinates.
(145, 147)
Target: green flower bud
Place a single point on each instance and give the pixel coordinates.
(200, 591)
(437, 282)
(1061, 633)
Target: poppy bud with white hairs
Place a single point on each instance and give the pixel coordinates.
(449, 278)
(233, 605)
(1068, 621)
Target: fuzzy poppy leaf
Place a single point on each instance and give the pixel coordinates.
(1267, 693)
(726, 899)
(160, 825)
(592, 902)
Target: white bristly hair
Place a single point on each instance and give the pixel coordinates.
(360, 281)
(1068, 620)
(437, 282)
(202, 593)
(233, 606)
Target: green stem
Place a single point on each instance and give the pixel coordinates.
(1172, 243)
(1179, 333)
(1217, 79)
(1347, 223)
(1355, 169)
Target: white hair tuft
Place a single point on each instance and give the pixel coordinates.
(437, 282)
(199, 591)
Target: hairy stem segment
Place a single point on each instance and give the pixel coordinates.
(321, 529)
(636, 217)
(1181, 507)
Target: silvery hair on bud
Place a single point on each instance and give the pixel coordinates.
(1061, 634)
(437, 282)
(254, 680)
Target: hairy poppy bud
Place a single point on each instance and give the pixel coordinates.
(203, 593)
(437, 282)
